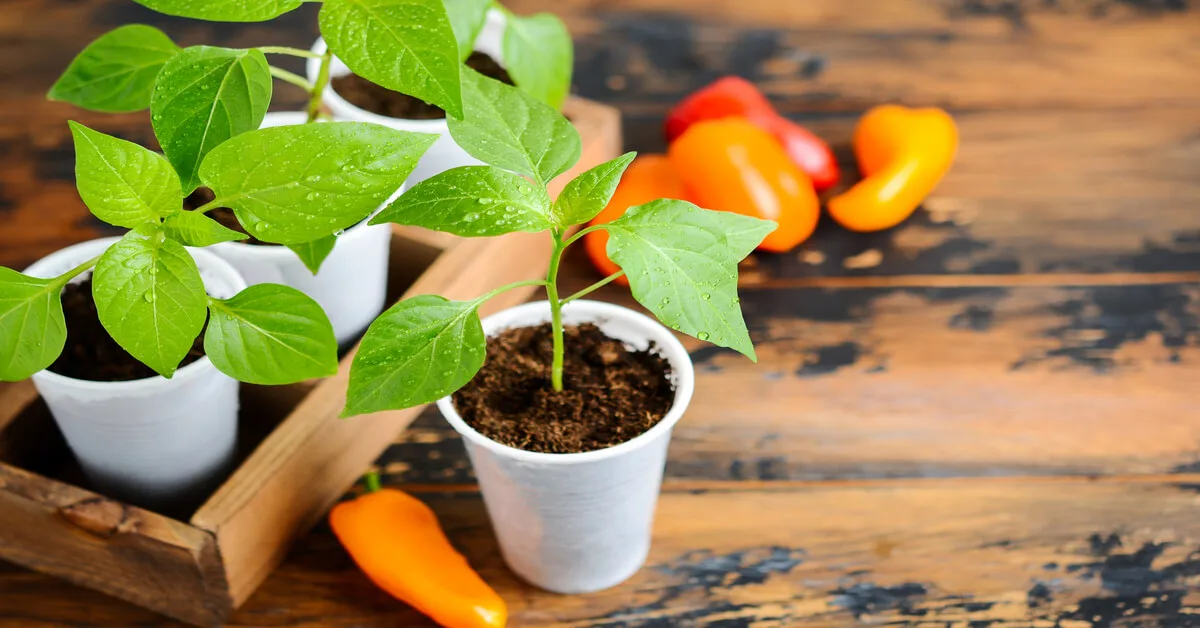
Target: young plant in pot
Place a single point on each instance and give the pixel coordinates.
(566, 405)
(137, 343)
(534, 52)
(225, 92)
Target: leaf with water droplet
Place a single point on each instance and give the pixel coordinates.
(538, 54)
(426, 339)
(313, 253)
(510, 129)
(264, 175)
(470, 201)
(223, 10)
(122, 183)
(691, 252)
(591, 191)
(196, 229)
(115, 73)
(270, 334)
(155, 316)
(33, 330)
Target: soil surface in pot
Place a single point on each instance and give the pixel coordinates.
(611, 394)
(364, 94)
(91, 353)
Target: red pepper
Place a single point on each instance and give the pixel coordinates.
(733, 96)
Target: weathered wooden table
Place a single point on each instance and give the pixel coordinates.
(984, 417)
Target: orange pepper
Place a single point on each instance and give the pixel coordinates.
(648, 178)
(396, 540)
(733, 165)
(902, 154)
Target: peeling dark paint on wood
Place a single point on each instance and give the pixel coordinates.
(869, 599)
(828, 359)
(703, 573)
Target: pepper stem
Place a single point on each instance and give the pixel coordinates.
(372, 481)
(556, 368)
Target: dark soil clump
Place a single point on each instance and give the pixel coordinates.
(380, 100)
(611, 394)
(91, 353)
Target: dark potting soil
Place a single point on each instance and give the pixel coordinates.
(611, 394)
(380, 100)
(224, 215)
(91, 353)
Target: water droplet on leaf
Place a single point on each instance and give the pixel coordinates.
(149, 297)
(702, 335)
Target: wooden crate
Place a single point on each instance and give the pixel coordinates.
(297, 457)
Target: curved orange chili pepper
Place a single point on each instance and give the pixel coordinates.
(734, 165)
(903, 154)
(396, 540)
(648, 178)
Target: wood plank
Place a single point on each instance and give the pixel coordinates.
(846, 55)
(925, 382)
(1003, 553)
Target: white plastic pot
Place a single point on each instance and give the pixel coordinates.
(352, 284)
(445, 153)
(153, 442)
(576, 523)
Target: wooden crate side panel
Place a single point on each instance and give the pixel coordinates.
(123, 551)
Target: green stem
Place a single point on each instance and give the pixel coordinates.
(594, 287)
(502, 289)
(556, 368)
(66, 277)
(318, 88)
(372, 481)
(288, 50)
(211, 205)
(290, 77)
(582, 232)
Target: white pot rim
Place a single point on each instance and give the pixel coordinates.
(340, 105)
(192, 371)
(669, 346)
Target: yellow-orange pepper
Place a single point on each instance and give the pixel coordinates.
(397, 542)
(902, 154)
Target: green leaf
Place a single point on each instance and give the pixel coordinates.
(418, 351)
(539, 56)
(223, 10)
(313, 253)
(204, 96)
(115, 73)
(32, 329)
(510, 129)
(472, 201)
(122, 183)
(150, 298)
(270, 334)
(591, 191)
(467, 18)
(682, 265)
(405, 45)
(296, 184)
(196, 229)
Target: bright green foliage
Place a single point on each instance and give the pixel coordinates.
(539, 56)
(196, 229)
(116, 73)
(590, 192)
(419, 350)
(472, 201)
(405, 45)
(270, 334)
(467, 18)
(295, 184)
(150, 298)
(32, 329)
(204, 96)
(509, 129)
(682, 265)
(313, 253)
(223, 10)
(122, 183)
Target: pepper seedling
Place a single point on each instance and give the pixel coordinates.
(681, 260)
(213, 94)
(291, 183)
